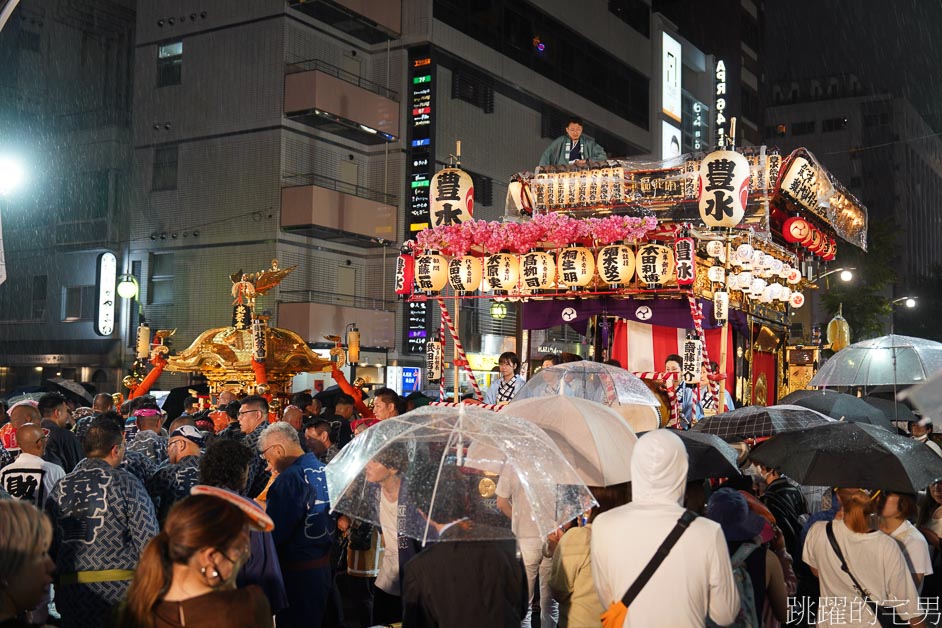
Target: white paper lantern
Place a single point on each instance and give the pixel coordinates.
(724, 188)
(431, 272)
(796, 300)
(776, 266)
(767, 260)
(715, 248)
(745, 280)
(465, 273)
(744, 252)
(452, 197)
(732, 282)
(766, 295)
(655, 264)
(757, 286)
(786, 270)
(794, 276)
(537, 270)
(716, 274)
(786, 294)
(720, 306)
(774, 290)
(616, 264)
(502, 271)
(575, 266)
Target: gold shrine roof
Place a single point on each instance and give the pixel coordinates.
(227, 350)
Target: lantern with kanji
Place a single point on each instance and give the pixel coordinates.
(575, 267)
(452, 197)
(723, 188)
(405, 275)
(465, 273)
(537, 270)
(655, 264)
(720, 305)
(684, 254)
(502, 272)
(616, 264)
(431, 272)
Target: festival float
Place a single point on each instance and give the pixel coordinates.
(246, 357)
(713, 251)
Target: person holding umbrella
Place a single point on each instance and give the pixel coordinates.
(922, 431)
(858, 567)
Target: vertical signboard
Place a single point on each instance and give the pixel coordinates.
(105, 284)
(670, 77)
(719, 103)
(420, 167)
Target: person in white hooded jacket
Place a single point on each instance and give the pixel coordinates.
(695, 580)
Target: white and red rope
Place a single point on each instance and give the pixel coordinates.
(463, 357)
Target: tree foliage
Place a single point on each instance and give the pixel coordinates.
(865, 304)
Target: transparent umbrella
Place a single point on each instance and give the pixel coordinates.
(594, 438)
(445, 459)
(888, 360)
(608, 385)
(927, 397)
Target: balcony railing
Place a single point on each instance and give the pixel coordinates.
(332, 298)
(340, 186)
(332, 70)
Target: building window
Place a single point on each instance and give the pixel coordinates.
(833, 124)
(538, 41)
(161, 278)
(803, 128)
(165, 168)
(38, 300)
(78, 303)
(634, 13)
(476, 90)
(169, 64)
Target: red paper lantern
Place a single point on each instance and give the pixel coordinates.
(796, 229)
(817, 243)
(405, 275)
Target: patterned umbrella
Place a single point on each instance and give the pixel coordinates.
(759, 421)
(887, 360)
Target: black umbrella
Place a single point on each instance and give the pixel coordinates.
(759, 421)
(709, 456)
(839, 406)
(175, 399)
(851, 455)
(71, 389)
(893, 410)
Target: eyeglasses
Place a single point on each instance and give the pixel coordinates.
(265, 451)
(241, 412)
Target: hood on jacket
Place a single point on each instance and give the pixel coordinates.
(659, 468)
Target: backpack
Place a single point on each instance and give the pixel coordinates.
(748, 616)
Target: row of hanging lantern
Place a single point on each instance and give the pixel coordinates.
(799, 231)
(755, 274)
(574, 267)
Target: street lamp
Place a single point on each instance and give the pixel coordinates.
(845, 274)
(909, 302)
(12, 174)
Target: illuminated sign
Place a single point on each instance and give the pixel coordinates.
(105, 284)
(670, 140)
(420, 160)
(698, 127)
(719, 103)
(670, 77)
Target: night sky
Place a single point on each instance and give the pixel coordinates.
(892, 46)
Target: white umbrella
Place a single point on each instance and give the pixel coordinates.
(888, 360)
(927, 397)
(593, 438)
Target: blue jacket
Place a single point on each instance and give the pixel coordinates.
(299, 505)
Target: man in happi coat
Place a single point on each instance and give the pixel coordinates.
(173, 481)
(147, 439)
(102, 518)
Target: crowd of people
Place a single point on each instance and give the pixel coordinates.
(125, 517)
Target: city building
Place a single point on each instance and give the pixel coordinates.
(65, 105)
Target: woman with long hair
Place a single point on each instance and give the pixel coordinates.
(186, 575)
(25, 566)
(872, 558)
